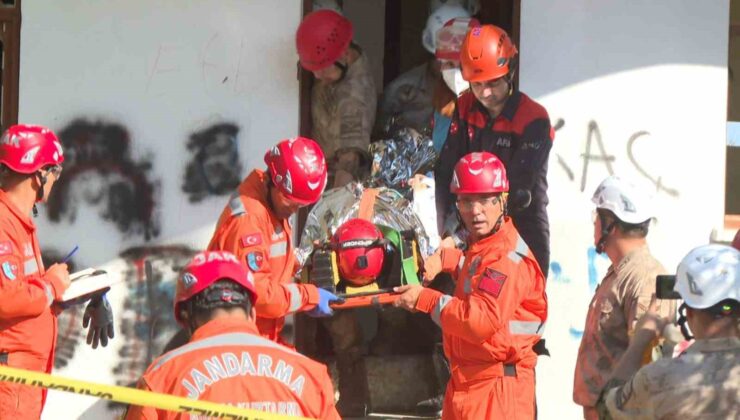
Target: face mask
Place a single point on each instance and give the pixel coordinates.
(454, 80)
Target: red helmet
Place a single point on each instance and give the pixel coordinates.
(479, 173)
(359, 248)
(27, 148)
(322, 37)
(207, 268)
(486, 54)
(298, 168)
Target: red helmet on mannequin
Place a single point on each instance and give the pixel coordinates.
(205, 269)
(360, 252)
(27, 148)
(322, 37)
(486, 54)
(298, 169)
(479, 173)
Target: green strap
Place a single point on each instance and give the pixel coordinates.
(408, 265)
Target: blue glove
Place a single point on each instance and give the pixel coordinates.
(323, 309)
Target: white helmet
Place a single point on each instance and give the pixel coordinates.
(708, 275)
(437, 20)
(624, 199)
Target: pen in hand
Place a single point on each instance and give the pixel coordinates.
(71, 254)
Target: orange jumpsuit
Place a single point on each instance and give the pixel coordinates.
(28, 326)
(251, 231)
(489, 327)
(227, 362)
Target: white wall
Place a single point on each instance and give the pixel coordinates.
(162, 69)
(656, 70)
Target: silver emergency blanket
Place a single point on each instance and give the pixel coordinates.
(398, 158)
(341, 204)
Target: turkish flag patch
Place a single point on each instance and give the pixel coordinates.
(6, 248)
(255, 260)
(251, 240)
(492, 282)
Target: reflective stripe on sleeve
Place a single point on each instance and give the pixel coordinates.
(520, 252)
(49, 294)
(278, 249)
(236, 206)
(295, 297)
(31, 266)
(526, 327)
(437, 311)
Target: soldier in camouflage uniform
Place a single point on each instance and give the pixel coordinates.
(343, 102)
(620, 226)
(704, 381)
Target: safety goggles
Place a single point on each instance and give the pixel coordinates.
(468, 204)
(55, 170)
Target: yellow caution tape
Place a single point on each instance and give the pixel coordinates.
(135, 396)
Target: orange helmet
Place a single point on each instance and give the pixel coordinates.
(486, 54)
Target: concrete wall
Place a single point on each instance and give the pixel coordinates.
(129, 85)
(645, 84)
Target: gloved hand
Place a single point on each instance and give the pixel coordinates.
(99, 316)
(323, 309)
(432, 266)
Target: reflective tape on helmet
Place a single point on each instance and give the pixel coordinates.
(526, 327)
(437, 311)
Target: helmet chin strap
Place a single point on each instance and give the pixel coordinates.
(39, 193)
(683, 322)
(343, 68)
(605, 230)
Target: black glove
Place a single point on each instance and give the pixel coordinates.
(101, 327)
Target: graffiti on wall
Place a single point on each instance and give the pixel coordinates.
(596, 152)
(147, 322)
(99, 171)
(595, 265)
(214, 168)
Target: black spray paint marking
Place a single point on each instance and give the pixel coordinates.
(102, 149)
(215, 168)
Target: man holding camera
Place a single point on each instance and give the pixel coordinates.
(704, 381)
(621, 221)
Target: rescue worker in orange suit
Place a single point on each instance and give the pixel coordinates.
(255, 226)
(496, 118)
(31, 162)
(499, 308)
(226, 360)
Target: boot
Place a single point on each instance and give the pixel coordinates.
(354, 393)
(433, 406)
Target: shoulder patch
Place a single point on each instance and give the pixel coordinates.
(492, 282)
(251, 239)
(6, 248)
(10, 270)
(255, 260)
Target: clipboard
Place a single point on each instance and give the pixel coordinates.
(87, 282)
